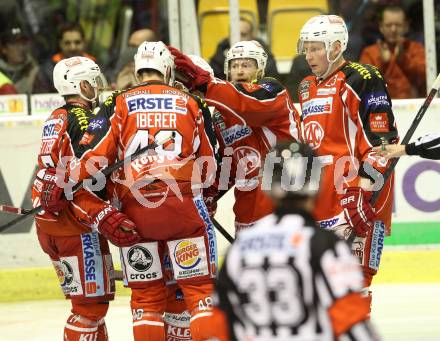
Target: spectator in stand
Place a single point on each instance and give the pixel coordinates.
(16, 62)
(71, 43)
(246, 33)
(124, 76)
(6, 86)
(400, 60)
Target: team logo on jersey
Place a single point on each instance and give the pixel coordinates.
(235, 133)
(187, 254)
(314, 134)
(317, 106)
(379, 122)
(139, 258)
(248, 159)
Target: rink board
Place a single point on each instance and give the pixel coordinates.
(416, 216)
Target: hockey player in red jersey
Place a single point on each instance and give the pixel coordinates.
(159, 191)
(253, 113)
(177, 316)
(345, 111)
(80, 255)
(287, 279)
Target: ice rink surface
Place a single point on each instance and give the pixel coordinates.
(401, 312)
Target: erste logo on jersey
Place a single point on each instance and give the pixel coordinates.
(317, 106)
(235, 133)
(52, 128)
(187, 254)
(157, 103)
(51, 131)
(313, 134)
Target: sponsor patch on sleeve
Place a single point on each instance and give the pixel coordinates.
(250, 87)
(86, 139)
(379, 122)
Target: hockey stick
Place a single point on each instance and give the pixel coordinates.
(13, 209)
(415, 123)
(106, 172)
(410, 132)
(222, 230)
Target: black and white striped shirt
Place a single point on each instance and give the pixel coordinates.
(279, 279)
(427, 146)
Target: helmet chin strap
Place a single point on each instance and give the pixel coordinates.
(331, 62)
(93, 100)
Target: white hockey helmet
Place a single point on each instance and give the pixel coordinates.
(156, 56)
(68, 74)
(324, 28)
(247, 49)
(200, 62)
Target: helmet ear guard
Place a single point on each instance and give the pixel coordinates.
(155, 55)
(251, 49)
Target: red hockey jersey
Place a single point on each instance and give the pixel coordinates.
(342, 118)
(251, 119)
(62, 139)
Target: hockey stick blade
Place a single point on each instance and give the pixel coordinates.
(106, 171)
